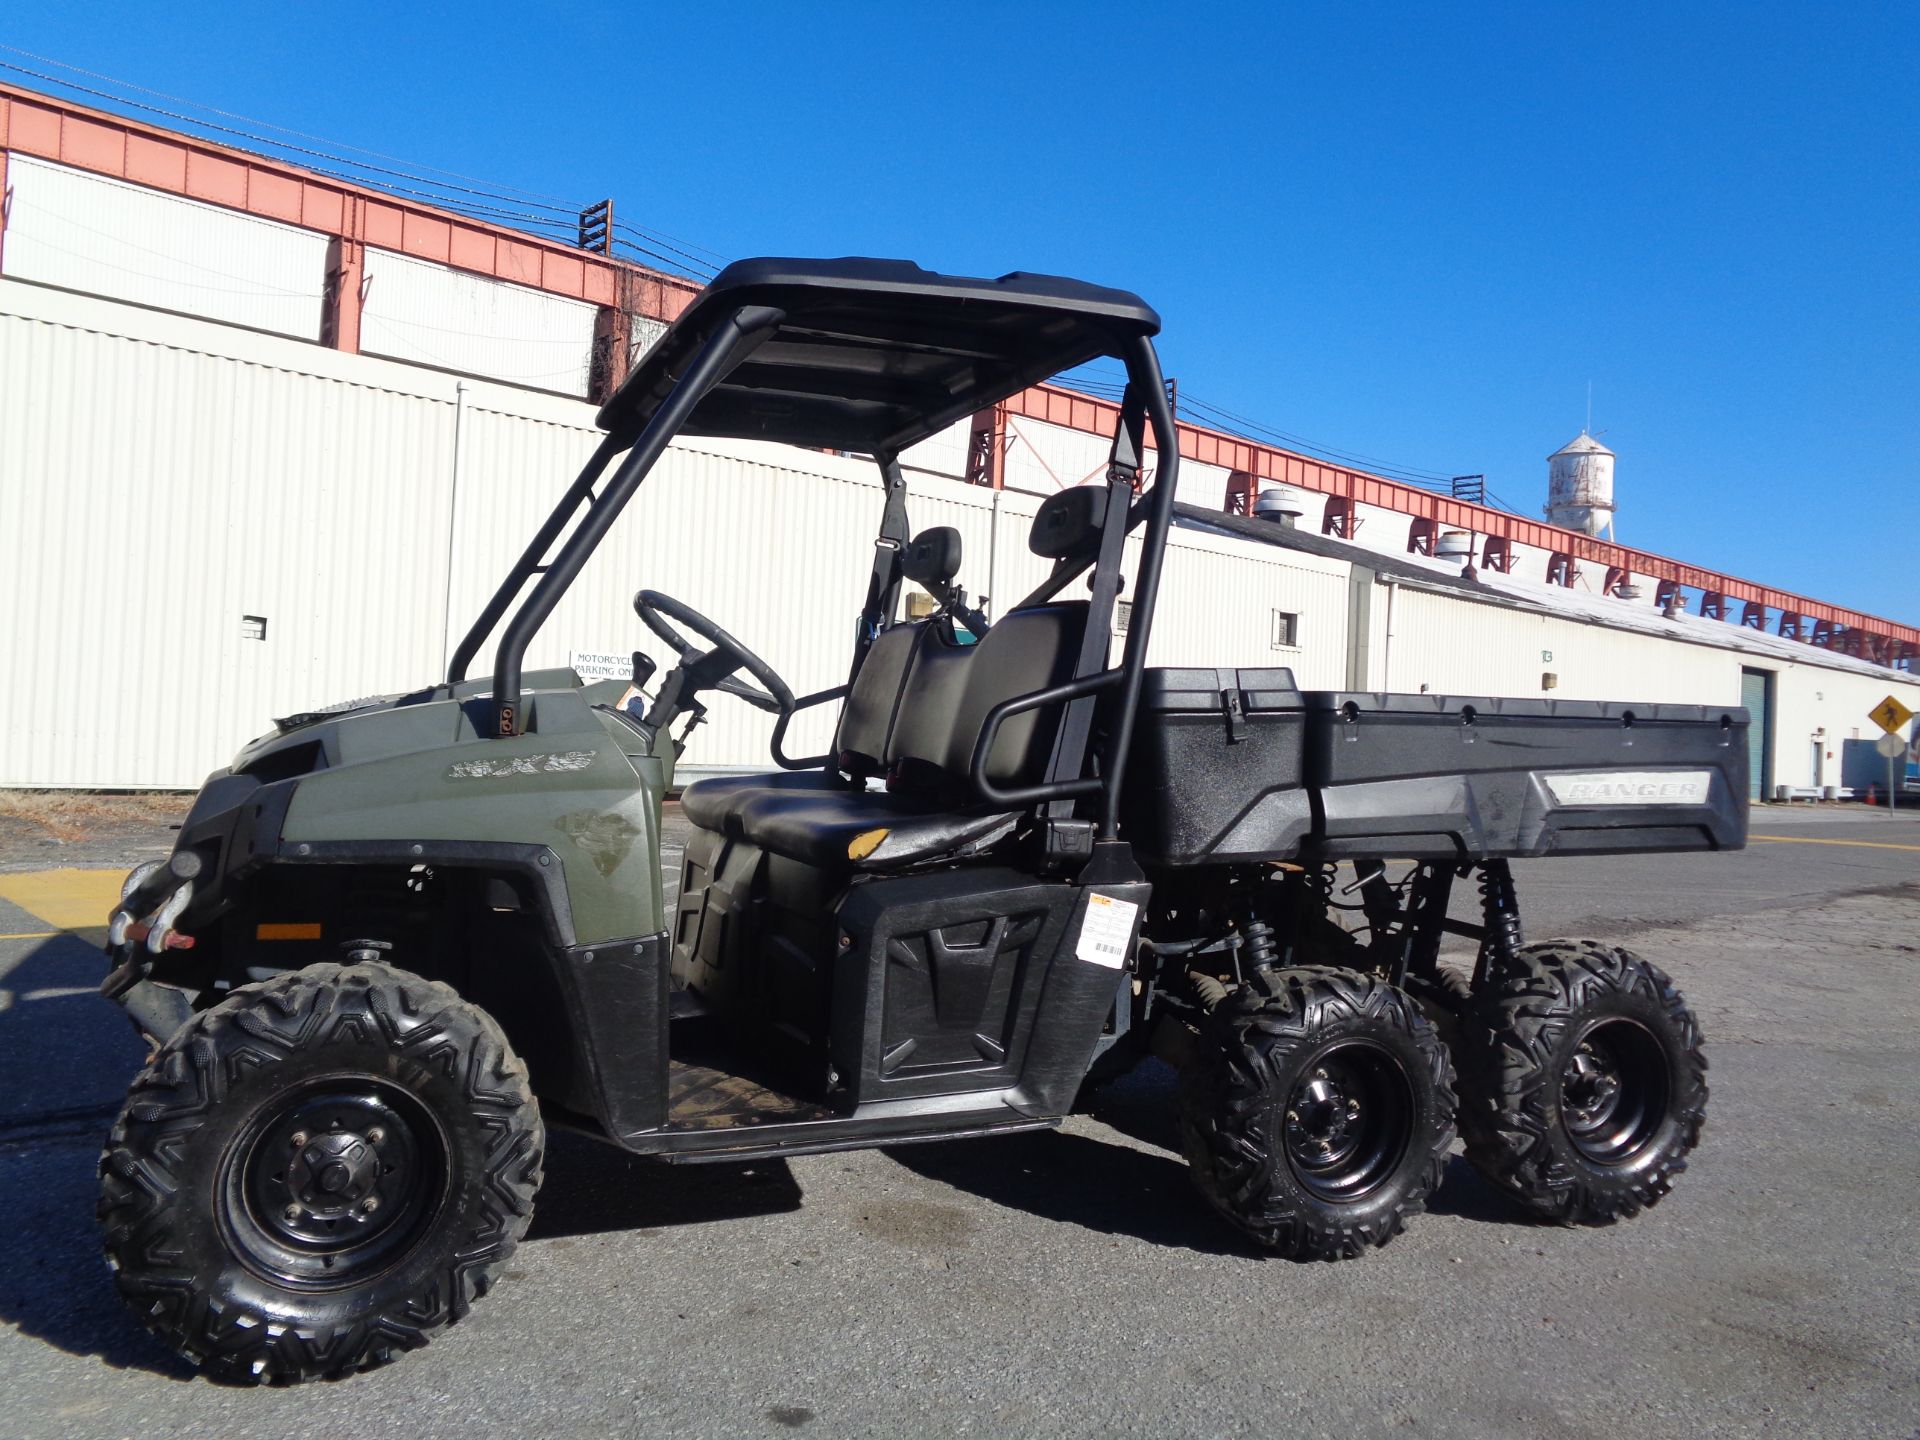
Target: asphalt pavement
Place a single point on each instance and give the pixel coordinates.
(1073, 1282)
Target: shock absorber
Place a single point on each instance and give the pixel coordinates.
(1501, 937)
(1258, 947)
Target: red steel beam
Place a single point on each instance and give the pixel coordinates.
(1075, 411)
(106, 144)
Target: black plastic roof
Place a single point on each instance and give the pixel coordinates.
(874, 355)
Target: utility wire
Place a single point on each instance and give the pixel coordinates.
(295, 149)
(520, 206)
(1110, 385)
(266, 124)
(664, 237)
(561, 218)
(641, 240)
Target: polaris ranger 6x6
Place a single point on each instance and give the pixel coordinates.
(398, 938)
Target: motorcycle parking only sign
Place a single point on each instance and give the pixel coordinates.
(592, 665)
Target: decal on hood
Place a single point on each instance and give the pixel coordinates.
(550, 763)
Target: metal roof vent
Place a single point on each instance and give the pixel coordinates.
(1453, 545)
(1278, 503)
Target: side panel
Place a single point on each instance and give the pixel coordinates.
(617, 996)
(1443, 777)
(575, 792)
(1215, 772)
(968, 980)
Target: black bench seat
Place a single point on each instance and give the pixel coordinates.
(915, 711)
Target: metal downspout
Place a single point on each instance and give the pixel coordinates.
(453, 516)
(1392, 582)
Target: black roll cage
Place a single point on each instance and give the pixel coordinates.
(1144, 406)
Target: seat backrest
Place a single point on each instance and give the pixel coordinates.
(866, 720)
(950, 689)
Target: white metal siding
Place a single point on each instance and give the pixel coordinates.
(776, 554)
(1218, 597)
(1455, 647)
(1042, 458)
(1810, 698)
(1202, 484)
(86, 232)
(160, 477)
(151, 496)
(643, 334)
(943, 454)
(416, 310)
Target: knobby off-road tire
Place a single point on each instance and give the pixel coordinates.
(1583, 1083)
(319, 1173)
(1444, 997)
(1317, 1111)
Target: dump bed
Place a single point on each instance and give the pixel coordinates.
(1232, 765)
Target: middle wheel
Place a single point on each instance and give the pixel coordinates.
(1317, 1111)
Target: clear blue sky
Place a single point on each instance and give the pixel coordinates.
(1400, 232)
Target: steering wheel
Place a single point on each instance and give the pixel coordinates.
(713, 669)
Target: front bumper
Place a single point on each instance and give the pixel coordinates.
(140, 930)
(233, 825)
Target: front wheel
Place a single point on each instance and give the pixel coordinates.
(1317, 1111)
(1584, 1085)
(320, 1172)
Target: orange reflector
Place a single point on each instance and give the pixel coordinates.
(865, 843)
(287, 932)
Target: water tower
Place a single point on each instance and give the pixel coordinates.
(1580, 486)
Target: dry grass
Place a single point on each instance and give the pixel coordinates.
(72, 816)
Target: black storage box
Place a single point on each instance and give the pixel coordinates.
(1214, 773)
(1439, 776)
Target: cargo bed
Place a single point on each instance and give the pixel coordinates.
(1239, 765)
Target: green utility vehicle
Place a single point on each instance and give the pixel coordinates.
(400, 937)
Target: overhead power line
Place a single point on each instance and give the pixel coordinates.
(555, 217)
(267, 124)
(1111, 385)
(481, 199)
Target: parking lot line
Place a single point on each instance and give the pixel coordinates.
(1810, 840)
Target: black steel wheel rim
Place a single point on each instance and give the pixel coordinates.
(1348, 1120)
(333, 1182)
(1614, 1090)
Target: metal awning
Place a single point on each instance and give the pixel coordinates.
(874, 355)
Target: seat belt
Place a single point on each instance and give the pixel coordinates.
(883, 583)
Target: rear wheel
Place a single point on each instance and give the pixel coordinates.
(1444, 996)
(1317, 1111)
(320, 1172)
(1584, 1083)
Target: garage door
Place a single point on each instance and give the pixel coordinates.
(1756, 693)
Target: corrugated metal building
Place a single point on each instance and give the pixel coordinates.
(208, 519)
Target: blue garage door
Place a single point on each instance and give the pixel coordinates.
(1756, 693)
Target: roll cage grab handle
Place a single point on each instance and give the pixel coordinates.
(1145, 401)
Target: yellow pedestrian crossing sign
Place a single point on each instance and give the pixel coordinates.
(1890, 715)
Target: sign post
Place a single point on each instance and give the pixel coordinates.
(1895, 749)
(1891, 716)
